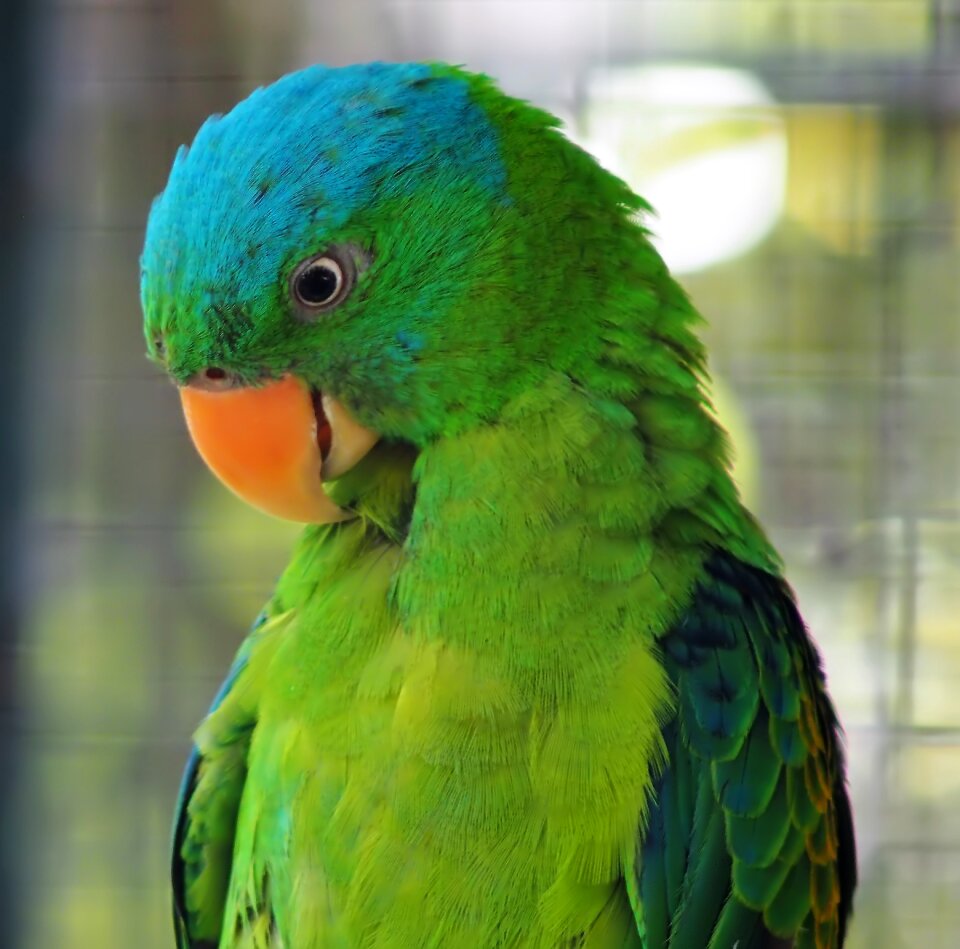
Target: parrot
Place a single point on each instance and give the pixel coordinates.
(533, 676)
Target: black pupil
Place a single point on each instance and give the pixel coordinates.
(318, 284)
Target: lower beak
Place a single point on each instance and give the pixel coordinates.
(273, 445)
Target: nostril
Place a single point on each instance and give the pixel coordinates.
(213, 379)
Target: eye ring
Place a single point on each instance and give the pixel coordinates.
(321, 282)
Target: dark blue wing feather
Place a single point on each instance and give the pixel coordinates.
(750, 837)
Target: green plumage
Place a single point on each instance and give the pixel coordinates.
(546, 688)
(778, 792)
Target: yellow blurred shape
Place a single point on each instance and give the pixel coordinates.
(703, 143)
(834, 166)
(927, 772)
(863, 26)
(103, 916)
(854, 27)
(87, 916)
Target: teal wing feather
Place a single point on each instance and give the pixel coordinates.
(205, 820)
(750, 839)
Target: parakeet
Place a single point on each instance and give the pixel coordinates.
(533, 676)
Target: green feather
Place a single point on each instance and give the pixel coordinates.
(757, 886)
(758, 840)
(724, 696)
(787, 740)
(803, 811)
(822, 843)
(807, 939)
(207, 846)
(678, 814)
(738, 926)
(825, 890)
(780, 690)
(825, 933)
(673, 422)
(787, 911)
(707, 744)
(656, 908)
(746, 783)
(706, 885)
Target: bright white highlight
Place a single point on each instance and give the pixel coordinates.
(704, 145)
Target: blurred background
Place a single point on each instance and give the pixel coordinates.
(804, 158)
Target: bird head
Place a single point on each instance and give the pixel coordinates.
(371, 255)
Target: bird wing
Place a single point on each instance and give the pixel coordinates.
(209, 800)
(749, 841)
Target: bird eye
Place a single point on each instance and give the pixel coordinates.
(320, 283)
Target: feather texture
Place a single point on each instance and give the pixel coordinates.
(786, 866)
(209, 802)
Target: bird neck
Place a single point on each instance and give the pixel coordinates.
(552, 541)
(560, 514)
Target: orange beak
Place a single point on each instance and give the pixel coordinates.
(264, 443)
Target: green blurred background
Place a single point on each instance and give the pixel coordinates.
(804, 156)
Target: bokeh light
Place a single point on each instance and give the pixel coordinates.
(704, 144)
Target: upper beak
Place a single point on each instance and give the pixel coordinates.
(275, 444)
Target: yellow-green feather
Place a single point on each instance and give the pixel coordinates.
(444, 723)
(458, 735)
